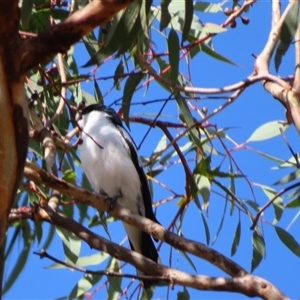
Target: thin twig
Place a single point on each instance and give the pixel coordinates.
(108, 273)
(255, 220)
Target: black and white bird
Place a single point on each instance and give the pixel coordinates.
(112, 165)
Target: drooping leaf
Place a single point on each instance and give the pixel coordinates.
(173, 47)
(217, 173)
(91, 44)
(188, 259)
(114, 288)
(40, 20)
(208, 7)
(189, 120)
(258, 250)
(293, 203)
(26, 10)
(184, 295)
(119, 71)
(270, 157)
(130, 86)
(253, 204)
(21, 258)
(83, 285)
(38, 231)
(90, 260)
(165, 17)
(119, 37)
(267, 131)
(189, 11)
(147, 293)
(49, 238)
(287, 33)
(232, 189)
(221, 223)
(236, 239)
(206, 229)
(288, 240)
(71, 244)
(145, 8)
(288, 178)
(277, 203)
(204, 187)
(97, 93)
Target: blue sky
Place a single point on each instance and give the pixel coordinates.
(252, 109)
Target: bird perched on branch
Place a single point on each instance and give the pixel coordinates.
(113, 167)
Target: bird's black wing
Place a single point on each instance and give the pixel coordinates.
(143, 179)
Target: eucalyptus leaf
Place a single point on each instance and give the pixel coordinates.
(267, 131)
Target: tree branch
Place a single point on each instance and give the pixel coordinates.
(60, 37)
(246, 284)
(39, 176)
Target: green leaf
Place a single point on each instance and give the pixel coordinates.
(12, 241)
(39, 21)
(49, 239)
(90, 260)
(258, 247)
(253, 204)
(211, 29)
(38, 231)
(288, 240)
(277, 203)
(184, 295)
(207, 7)
(130, 86)
(83, 285)
(120, 36)
(270, 157)
(231, 189)
(206, 228)
(165, 17)
(209, 51)
(147, 293)
(204, 187)
(288, 178)
(287, 33)
(267, 131)
(189, 11)
(144, 11)
(97, 93)
(236, 239)
(221, 223)
(71, 244)
(20, 259)
(119, 71)
(69, 176)
(91, 44)
(189, 120)
(26, 10)
(190, 262)
(173, 47)
(217, 173)
(114, 288)
(293, 203)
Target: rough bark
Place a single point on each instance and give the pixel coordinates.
(13, 120)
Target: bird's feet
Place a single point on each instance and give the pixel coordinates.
(113, 200)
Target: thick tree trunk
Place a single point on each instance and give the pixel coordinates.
(13, 115)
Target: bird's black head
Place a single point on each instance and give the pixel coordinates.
(111, 113)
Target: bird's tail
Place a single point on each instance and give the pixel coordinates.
(142, 243)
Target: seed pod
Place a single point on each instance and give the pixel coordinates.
(227, 11)
(245, 20)
(233, 24)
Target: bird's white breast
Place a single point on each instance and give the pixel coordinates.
(107, 163)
